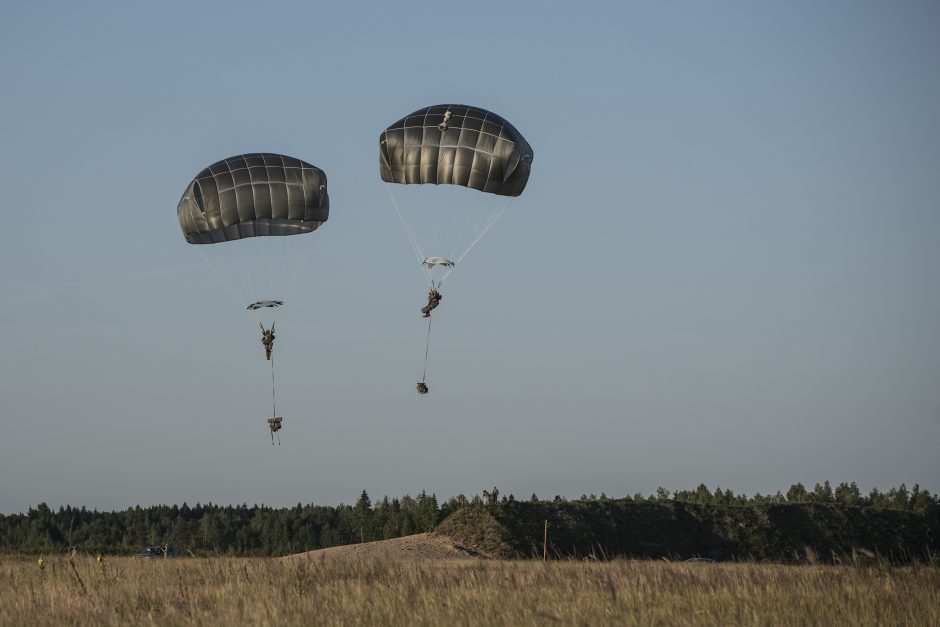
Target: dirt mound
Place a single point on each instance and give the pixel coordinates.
(476, 526)
(421, 546)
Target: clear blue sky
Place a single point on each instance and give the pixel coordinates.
(725, 268)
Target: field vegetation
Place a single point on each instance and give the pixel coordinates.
(81, 590)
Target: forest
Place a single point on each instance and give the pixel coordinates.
(258, 530)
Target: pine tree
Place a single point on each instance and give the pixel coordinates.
(796, 493)
(362, 514)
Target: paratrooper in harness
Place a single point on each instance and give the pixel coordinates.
(267, 339)
(434, 299)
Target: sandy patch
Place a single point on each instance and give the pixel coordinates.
(421, 546)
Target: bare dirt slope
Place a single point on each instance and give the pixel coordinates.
(421, 546)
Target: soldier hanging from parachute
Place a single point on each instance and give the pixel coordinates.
(434, 299)
(434, 296)
(456, 146)
(239, 202)
(267, 339)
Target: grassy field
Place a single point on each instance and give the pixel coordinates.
(234, 591)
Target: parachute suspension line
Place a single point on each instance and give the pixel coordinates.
(409, 233)
(290, 258)
(267, 265)
(252, 295)
(220, 275)
(274, 260)
(487, 225)
(251, 288)
(405, 227)
(446, 220)
(292, 280)
(441, 223)
(480, 228)
(427, 348)
(451, 220)
(285, 265)
(434, 215)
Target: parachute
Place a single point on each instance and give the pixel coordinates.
(430, 262)
(451, 171)
(264, 303)
(250, 218)
(437, 269)
(253, 195)
(473, 148)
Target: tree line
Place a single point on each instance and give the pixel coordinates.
(915, 500)
(265, 531)
(218, 530)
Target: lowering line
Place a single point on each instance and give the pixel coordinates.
(274, 404)
(427, 348)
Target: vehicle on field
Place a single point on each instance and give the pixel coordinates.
(158, 550)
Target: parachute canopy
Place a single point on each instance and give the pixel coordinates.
(264, 303)
(253, 195)
(438, 261)
(456, 145)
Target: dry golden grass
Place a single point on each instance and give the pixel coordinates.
(235, 591)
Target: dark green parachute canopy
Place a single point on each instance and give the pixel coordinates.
(253, 195)
(470, 147)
